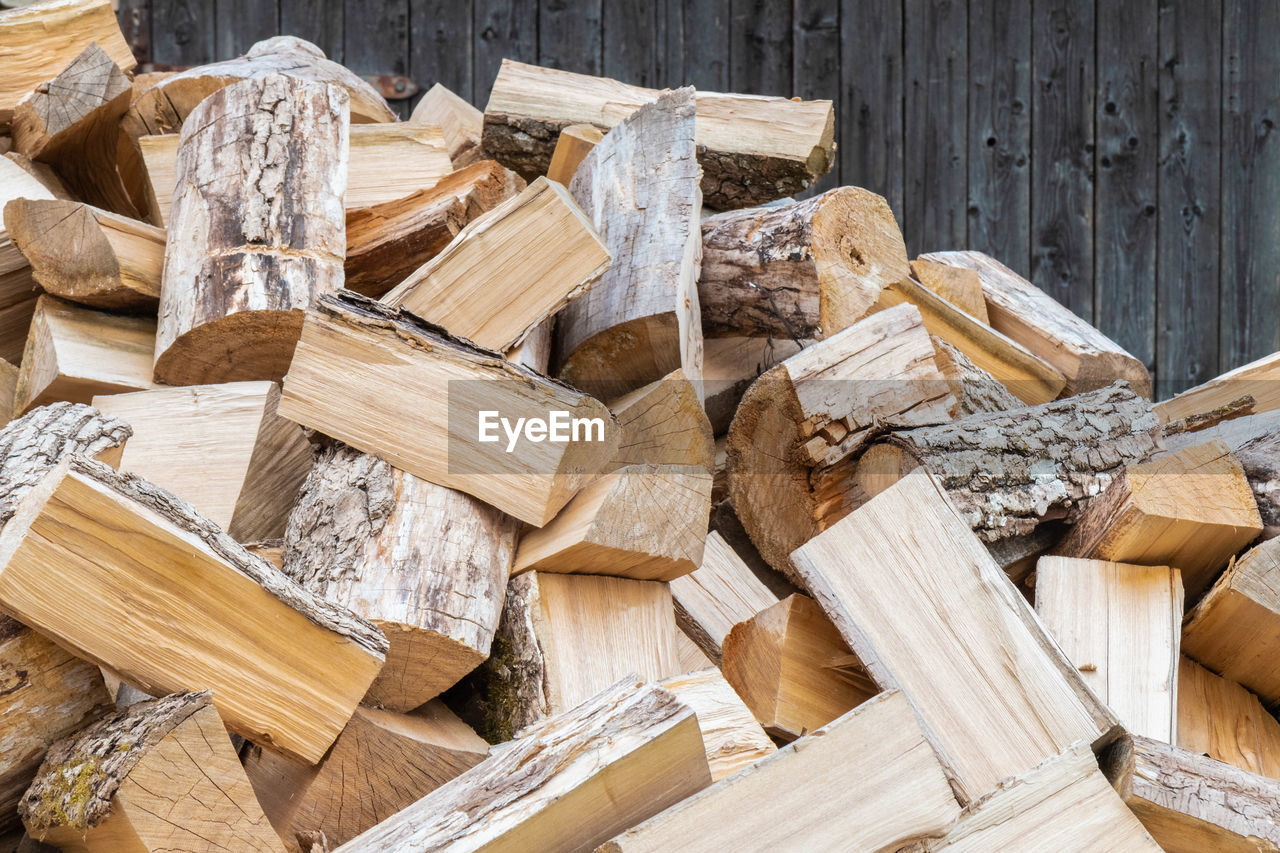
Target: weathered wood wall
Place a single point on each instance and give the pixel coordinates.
(1119, 152)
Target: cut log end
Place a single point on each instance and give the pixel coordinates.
(244, 346)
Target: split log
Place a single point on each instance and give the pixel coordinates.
(158, 165)
(8, 385)
(251, 243)
(1258, 379)
(1086, 357)
(730, 735)
(1192, 509)
(32, 445)
(994, 692)
(730, 365)
(381, 763)
(1221, 719)
(572, 146)
(356, 355)
(534, 352)
(641, 320)
(1008, 472)
(387, 242)
(114, 568)
(752, 149)
(882, 789)
(89, 256)
(461, 123)
(220, 447)
(975, 389)
(159, 776)
(30, 55)
(960, 286)
(722, 592)
(1119, 624)
(509, 270)
(808, 415)
(793, 669)
(570, 784)
(424, 563)
(663, 424)
(18, 290)
(76, 354)
(691, 657)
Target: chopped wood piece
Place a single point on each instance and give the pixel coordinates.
(1192, 509)
(640, 321)
(251, 242)
(461, 123)
(1010, 471)
(732, 737)
(16, 183)
(1119, 624)
(807, 416)
(17, 287)
(722, 592)
(534, 352)
(752, 149)
(995, 694)
(381, 763)
(793, 669)
(1260, 459)
(692, 658)
(563, 638)
(1086, 357)
(75, 354)
(356, 357)
(114, 568)
(8, 385)
(45, 695)
(159, 776)
(1221, 719)
(42, 174)
(386, 242)
(424, 563)
(1190, 803)
(729, 367)
(573, 782)
(1258, 379)
(158, 163)
(36, 42)
(1064, 804)
(1235, 629)
(508, 270)
(975, 389)
(664, 424)
(959, 286)
(1205, 421)
(572, 146)
(882, 789)
(220, 447)
(89, 256)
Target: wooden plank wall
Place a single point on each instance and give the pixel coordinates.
(1120, 154)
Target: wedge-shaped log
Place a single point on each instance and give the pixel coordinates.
(722, 592)
(883, 790)
(426, 564)
(461, 123)
(251, 242)
(806, 416)
(663, 424)
(793, 669)
(1258, 379)
(160, 775)
(87, 255)
(752, 149)
(1192, 509)
(641, 320)
(732, 737)
(386, 242)
(381, 763)
(356, 355)
(1221, 719)
(220, 447)
(1119, 624)
(36, 42)
(508, 270)
(572, 146)
(114, 568)
(75, 354)
(994, 692)
(960, 286)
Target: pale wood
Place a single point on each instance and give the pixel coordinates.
(386, 242)
(8, 386)
(426, 564)
(357, 358)
(692, 658)
(641, 321)
(534, 352)
(731, 736)
(220, 447)
(722, 592)
(730, 365)
(114, 568)
(1192, 509)
(572, 146)
(461, 123)
(1258, 379)
(960, 286)
(1221, 719)
(17, 286)
(881, 789)
(1017, 308)
(251, 243)
(793, 669)
(381, 763)
(994, 692)
(30, 53)
(1120, 625)
(76, 354)
(753, 149)
(89, 256)
(663, 423)
(159, 776)
(509, 269)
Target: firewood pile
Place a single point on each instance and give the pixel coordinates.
(551, 478)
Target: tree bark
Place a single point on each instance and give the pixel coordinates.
(1260, 458)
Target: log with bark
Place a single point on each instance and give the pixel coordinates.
(1258, 379)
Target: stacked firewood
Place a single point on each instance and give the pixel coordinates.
(549, 478)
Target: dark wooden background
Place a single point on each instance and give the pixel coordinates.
(1117, 152)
